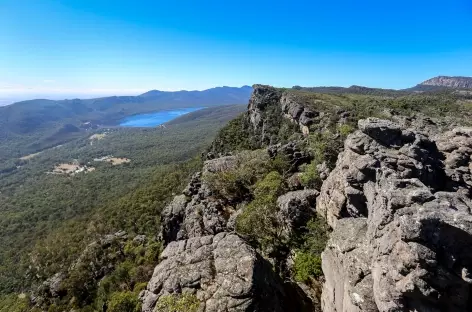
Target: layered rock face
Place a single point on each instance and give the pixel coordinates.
(196, 213)
(287, 106)
(400, 206)
(222, 270)
(451, 82)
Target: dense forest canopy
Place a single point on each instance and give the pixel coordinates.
(48, 219)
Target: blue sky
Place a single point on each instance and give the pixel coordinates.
(93, 47)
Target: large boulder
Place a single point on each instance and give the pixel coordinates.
(195, 213)
(456, 145)
(291, 152)
(223, 271)
(262, 96)
(401, 209)
(296, 209)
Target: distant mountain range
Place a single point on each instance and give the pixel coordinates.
(38, 124)
(440, 83)
(41, 123)
(449, 82)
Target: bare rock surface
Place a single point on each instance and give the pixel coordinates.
(400, 206)
(288, 105)
(223, 271)
(450, 82)
(195, 213)
(296, 209)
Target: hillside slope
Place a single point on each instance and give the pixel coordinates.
(47, 220)
(30, 126)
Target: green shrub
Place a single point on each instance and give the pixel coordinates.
(310, 177)
(235, 136)
(345, 129)
(140, 286)
(14, 303)
(281, 164)
(178, 303)
(315, 237)
(311, 244)
(307, 266)
(258, 220)
(324, 147)
(236, 184)
(124, 302)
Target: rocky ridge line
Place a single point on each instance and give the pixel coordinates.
(398, 201)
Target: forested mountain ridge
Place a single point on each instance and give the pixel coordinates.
(30, 126)
(433, 85)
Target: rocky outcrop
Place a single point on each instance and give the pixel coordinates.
(204, 257)
(295, 210)
(286, 104)
(290, 152)
(223, 271)
(298, 113)
(98, 259)
(196, 213)
(450, 82)
(456, 146)
(400, 205)
(262, 96)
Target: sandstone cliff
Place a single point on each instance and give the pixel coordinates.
(396, 193)
(400, 205)
(450, 82)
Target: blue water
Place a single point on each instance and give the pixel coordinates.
(157, 118)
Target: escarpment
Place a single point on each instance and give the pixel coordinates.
(205, 258)
(392, 185)
(400, 205)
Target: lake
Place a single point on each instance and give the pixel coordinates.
(157, 118)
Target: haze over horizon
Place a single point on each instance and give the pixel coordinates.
(98, 48)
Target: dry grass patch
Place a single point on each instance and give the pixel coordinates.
(30, 156)
(98, 136)
(114, 160)
(71, 169)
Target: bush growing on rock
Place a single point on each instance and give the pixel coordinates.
(324, 147)
(344, 130)
(14, 303)
(258, 220)
(235, 136)
(307, 266)
(316, 235)
(310, 176)
(124, 302)
(178, 303)
(236, 183)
